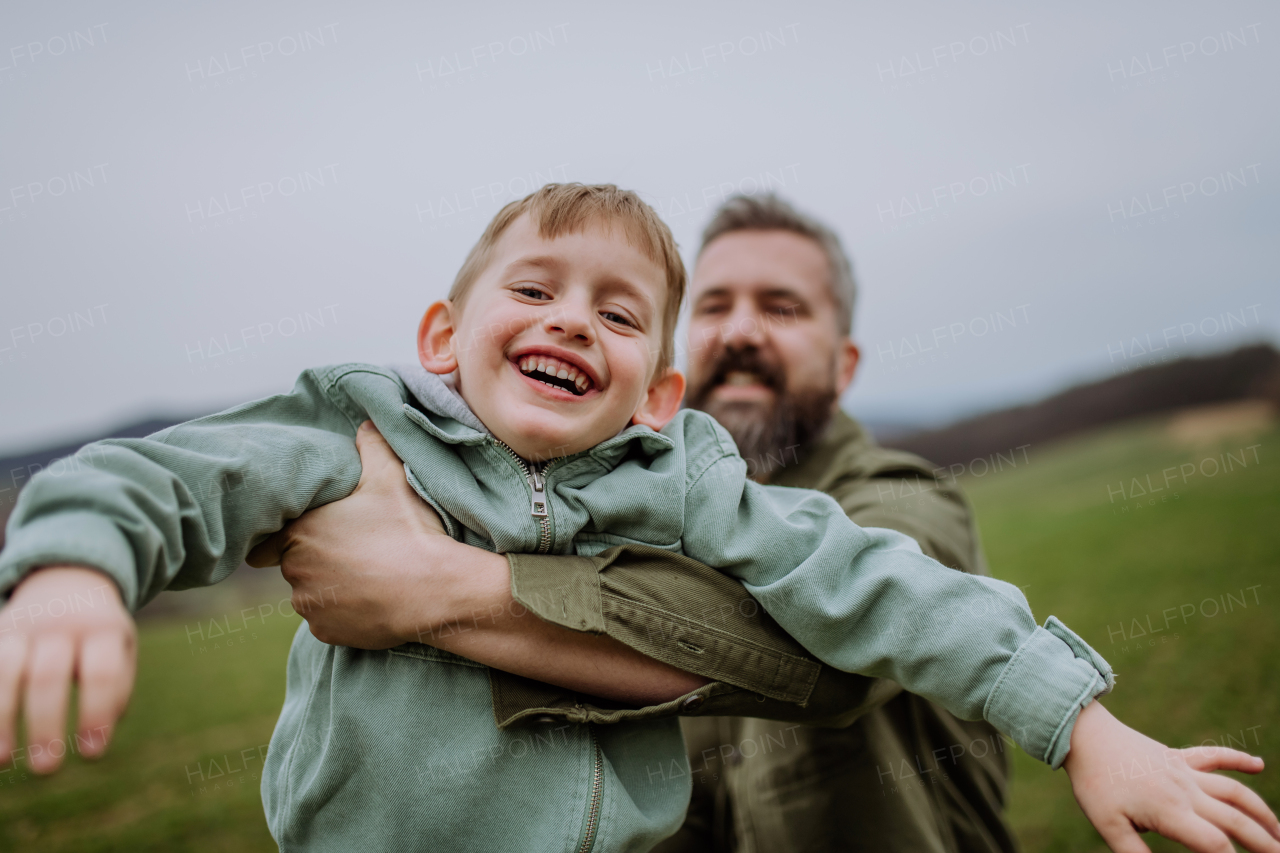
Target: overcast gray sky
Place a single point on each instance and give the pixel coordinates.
(199, 201)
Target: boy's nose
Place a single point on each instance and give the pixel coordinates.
(572, 322)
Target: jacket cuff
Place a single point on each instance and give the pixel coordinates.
(69, 538)
(1048, 681)
(562, 590)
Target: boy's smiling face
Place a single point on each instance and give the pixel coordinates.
(557, 340)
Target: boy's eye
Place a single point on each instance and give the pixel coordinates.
(531, 292)
(615, 317)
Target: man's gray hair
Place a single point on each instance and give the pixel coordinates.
(770, 213)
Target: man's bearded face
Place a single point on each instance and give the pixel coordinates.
(766, 357)
(769, 432)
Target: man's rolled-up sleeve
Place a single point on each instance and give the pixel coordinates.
(681, 612)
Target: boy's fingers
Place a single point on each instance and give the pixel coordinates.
(48, 686)
(1243, 798)
(13, 657)
(105, 677)
(1194, 832)
(1123, 838)
(1210, 758)
(1236, 824)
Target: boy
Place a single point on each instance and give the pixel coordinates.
(556, 344)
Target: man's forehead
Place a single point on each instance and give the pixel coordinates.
(757, 262)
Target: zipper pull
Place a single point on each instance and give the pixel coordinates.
(537, 483)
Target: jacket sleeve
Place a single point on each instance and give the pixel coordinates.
(182, 508)
(937, 517)
(866, 600)
(678, 611)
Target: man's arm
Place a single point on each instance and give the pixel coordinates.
(381, 560)
(634, 625)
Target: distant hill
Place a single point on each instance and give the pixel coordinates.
(37, 459)
(1245, 373)
(15, 471)
(1251, 372)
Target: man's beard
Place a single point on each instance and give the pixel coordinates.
(769, 437)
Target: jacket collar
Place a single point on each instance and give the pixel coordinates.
(843, 446)
(841, 432)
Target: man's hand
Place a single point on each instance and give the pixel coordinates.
(64, 623)
(1127, 783)
(376, 569)
(360, 567)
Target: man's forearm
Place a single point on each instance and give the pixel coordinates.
(474, 615)
(384, 573)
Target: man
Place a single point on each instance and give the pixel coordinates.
(772, 306)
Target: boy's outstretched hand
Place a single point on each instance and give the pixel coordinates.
(1127, 783)
(64, 623)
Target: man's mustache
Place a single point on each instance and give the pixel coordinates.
(746, 360)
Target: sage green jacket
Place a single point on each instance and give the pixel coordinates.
(398, 749)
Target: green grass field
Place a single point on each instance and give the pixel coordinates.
(1176, 588)
(184, 770)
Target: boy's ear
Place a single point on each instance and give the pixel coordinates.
(436, 335)
(662, 401)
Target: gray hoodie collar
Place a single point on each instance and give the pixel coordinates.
(438, 395)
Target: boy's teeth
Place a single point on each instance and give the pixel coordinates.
(557, 368)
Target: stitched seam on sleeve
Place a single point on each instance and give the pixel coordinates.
(683, 621)
(698, 477)
(337, 397)
(790, 678)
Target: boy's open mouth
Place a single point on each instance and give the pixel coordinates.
(555, 372)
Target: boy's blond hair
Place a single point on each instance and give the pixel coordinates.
(559, 209)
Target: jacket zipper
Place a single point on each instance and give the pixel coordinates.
(597, 790)
(536, 475)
